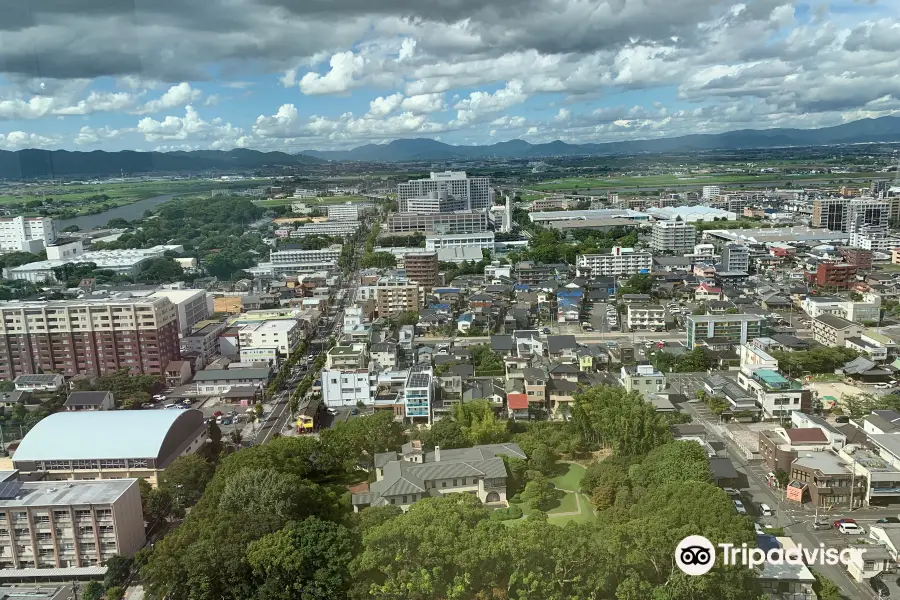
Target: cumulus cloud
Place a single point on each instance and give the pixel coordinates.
(18, 140)
(189, 127)
(175, 97)
(385, 105)
(345, 69)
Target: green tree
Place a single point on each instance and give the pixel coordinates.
(159, 506)
(118, 569)
(623, 421)
(604, 479)
(637, 284)
(236, 437)
(379, 260)
(675, 461)
(480, 423)
(160, 270)
(544, 460)
(407, 318)
(186, 477)
(540, 493)
(825, 589)
(447, 434)
(92, 590)
(782, 478)
(7, 386)
(309, 560)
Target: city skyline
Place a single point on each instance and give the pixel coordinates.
(272, 76)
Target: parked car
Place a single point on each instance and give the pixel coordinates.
(820, 525)
(218, 413)
(147, 405)
(160, 397)
(739, 507)
(766, 510)
(879, 587)
(354, 411)
(842, 419)
(332, 411)
(731, 491)
(227, 421)
(888, 520)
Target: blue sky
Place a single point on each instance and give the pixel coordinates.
(278, 75)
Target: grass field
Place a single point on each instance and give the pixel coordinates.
(571, 480)
(665, 180)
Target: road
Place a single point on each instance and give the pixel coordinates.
(585, 338)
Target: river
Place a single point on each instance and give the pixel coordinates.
(129, 212)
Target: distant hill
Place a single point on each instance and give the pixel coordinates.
(47, 164)
(882, 129)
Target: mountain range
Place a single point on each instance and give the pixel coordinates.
(48, 164)
(882, 129)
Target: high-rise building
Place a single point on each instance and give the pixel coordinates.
(80, 524)
(867, 218)
(26, 234)
(673, 236)
(440, 201)
(879, 186)
(422, 267)
(735, 258)
(474, 221)
(475, 192)
(711, 191)
(88, 336)
(830, 213)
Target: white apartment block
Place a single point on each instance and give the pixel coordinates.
(435, 202)
(302, 193)
(673, 236)
(343, 212)
(75, 524)
(482, 241)
(869, 310)
(26, 234)
(646, 316)
(326, 228)
(476, 192)
(711, 191)
(283, 334)
(621, 261)
(346, 388)
(192, 306)
(735, 258)
(868, 217)
(331, 253)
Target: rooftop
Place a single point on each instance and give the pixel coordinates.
(834, 321)
(826, 462)
(85, 398)
(231, 374)
(60, 493)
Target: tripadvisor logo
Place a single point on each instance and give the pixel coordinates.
(696, 555)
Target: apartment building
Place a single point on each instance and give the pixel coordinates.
(26, 234)
(867, 217)
(866, 311)
(435, 202)
(621, 261)
(414, 474)
(396, 295)
(830, 213)
(646, 316)
(79, 524)
(645, 379)
(735, 258)
(346, 387)
(552, 203)
(204, 342)
(475, 192)
(711, 191)
(283, 334)
(422, 268)
(474, 221)
(95, 336)
(832, 275)
(191, 306)
(347, 356)
(737, 329)
(531, 273)
(345, 212)
(673, 236)
(291, 256)
(858, 257)
(418, 394)
(337, 228)
(831, 330)
(481, 241)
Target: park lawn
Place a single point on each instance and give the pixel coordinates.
(566, 504)
(571, 480)
(587, 514)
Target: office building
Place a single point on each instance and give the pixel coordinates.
(735, 258)
(732, 329)
(474, 192)
(45, 525)
(95, 337)
(191, 306)
(422, 268)
(830, 213)
(620, 261)
(113, 444)
(283, 334)
(482, 241)
(711, 191)
(473, 221)
(435, 202)
(418, 394)
(396, 295)
(673, 236)
(26, 234)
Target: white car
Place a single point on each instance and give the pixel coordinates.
(766, 510)
(851, 529)
(739, 507)
(332, 411)
(758, 528)
(731, 491)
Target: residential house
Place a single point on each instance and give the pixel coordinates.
(779, 447)
(528, 343)
(565, 371)
(516, 400)
(178, 372)
(561, 394)
(559, 346)
(414, 474)
(787, 581)
(645, 379)
(536, 379)
(50, 382)
(706, 291)
(484, 388)
(503, 345)
(869, 562)
(384, 355)
(213, 382)
(90, 401)
(569, 301)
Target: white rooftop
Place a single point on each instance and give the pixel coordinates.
(274, 326)
(68, 493)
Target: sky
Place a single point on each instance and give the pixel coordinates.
(292, 75)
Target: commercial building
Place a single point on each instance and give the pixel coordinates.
(735, 258)
(831, 330)
(737, 329)
(422, 268)
(191, 306)
(691, 214)
(414, 474)
(121, 262)
(645, 379)
(283, 334)
(88, 336)
(825, 480)
(833, 275)
(475, 192)
(778, 396)
(396, 295)
(342, 387)
(673, 236)
(80, 524)
(214, 382)
(646, 316)
(482, 241)
(620, 261)
(340, 228)
(133, 443)
(26, 234)
(435, 202)
(474, 221)
(830, 213)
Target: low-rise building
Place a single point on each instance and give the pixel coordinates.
(825, 480)
(414, 474)
(204, 341)
(90, 401)
(73, 526)
(620, 261)
(347, 356)
(46, 382)
(646, 316)
(346, 387)
(283, 334)
(212, 382)
(831, 330)
(737, 329)
(418, 394)
(645, 379)
(481, 241)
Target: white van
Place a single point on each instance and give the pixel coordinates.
(766, 510)
(170, 406)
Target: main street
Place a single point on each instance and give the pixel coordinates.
(592, 337)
